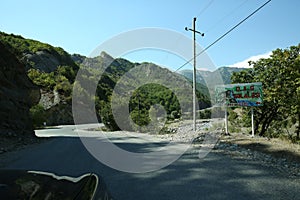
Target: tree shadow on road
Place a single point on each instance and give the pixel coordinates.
(217, 176)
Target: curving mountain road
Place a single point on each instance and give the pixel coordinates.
(217, 176)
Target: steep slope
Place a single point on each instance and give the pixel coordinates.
(17, 95)
(52, 70)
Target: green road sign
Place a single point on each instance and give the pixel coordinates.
(244, 94)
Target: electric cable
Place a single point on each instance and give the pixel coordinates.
(226, 16)
(217, 40)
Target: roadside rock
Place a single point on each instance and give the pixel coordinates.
(49, 99)
(59, 114)
(58, 110)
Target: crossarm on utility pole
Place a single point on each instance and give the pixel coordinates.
(194, 70)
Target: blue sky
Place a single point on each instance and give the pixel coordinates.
(80, 26)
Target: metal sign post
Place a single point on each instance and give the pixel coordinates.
(241, 94)
(252, 121)
(226, 122)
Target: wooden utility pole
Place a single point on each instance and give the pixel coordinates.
(194, 70)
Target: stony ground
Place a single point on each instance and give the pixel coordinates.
(283, 155)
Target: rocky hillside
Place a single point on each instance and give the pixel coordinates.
(37, 55)
(17, 95)
(143, 97)
(52, 70)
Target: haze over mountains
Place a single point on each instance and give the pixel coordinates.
(203, 75)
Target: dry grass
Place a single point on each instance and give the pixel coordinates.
(276, 147)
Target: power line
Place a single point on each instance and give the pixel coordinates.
(217, 40)
(205, 8)
(226, 16)
(200, 13)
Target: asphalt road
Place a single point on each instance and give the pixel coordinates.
(217, 176)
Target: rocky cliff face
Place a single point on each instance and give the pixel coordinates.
(17, 95)
(43, 60)
(57, 109)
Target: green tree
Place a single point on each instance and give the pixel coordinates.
(43, 79)
(38, 115)
(280, 75)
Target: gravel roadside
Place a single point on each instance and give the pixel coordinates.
(282, 155)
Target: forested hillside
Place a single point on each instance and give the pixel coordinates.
(53, 71)
(143, 96)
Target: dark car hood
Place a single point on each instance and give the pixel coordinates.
(37, 185)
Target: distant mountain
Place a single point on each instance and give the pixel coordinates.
(207, 80)
(203, 77)
(226, 73)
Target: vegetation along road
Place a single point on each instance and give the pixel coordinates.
(217, 176)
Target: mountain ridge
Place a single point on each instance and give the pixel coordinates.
(203, 75)
(53, 71)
